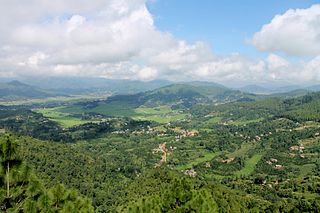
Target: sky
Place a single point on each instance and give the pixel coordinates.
(225, 25)
(226, 41)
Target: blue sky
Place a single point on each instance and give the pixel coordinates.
(224, 24)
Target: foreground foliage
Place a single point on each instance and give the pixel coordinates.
(22, 191)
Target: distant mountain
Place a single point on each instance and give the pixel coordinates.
(255, 89)
(204, 84)
(286, 89)
(291, 94)
(14, 90)
(263, 90)
(81, 85)
(314, 88)
(185, 94)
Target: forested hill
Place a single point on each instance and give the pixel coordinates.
(186, 94)
(16, 90)
(305, 108)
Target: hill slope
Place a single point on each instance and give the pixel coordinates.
(16, 90)
(81, 85)
(186, 94)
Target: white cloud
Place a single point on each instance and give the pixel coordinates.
(117, 32)
(276, 62)
(147, 74)
(296, 32)
(118, 39)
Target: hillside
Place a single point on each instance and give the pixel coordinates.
(314, 88)
(276, 91)
(16, 90)
(291, 94)
(305, 108)
(255, 89)
(80, 85)
(186, 94)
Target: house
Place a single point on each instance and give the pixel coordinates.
(273, 160)
(229, 160)
(294, 148)
(299, 148)
(278, 167)
(192, 133)
(190, 172)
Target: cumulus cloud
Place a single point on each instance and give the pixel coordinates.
(118, 39)
(296, 32)
(100, 39)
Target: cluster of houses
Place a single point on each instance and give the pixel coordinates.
(255, 138)
(294, 150)
(180, 133)
(186, 133)
(274, 161)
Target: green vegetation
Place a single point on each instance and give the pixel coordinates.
(64, 119)
(16, 90)
(162, 118)
(56, 100)
(195, 148)
(250, 165)
(71, 115)
(197, 161)
(21, 191)
(116, 109)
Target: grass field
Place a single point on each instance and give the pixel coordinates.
(58, 99)
(153, 111)
(161, 118)
(161, 114)
(250, 165)
(245, 147)
(241, 122)
(206, 157)
(117, 109)
(214, 120)
(64, 115)
(64, 119)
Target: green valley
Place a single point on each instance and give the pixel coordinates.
(182, 143)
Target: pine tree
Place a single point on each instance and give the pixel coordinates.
(8, 153)
(22, 191)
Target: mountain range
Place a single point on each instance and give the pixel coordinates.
(154, 91)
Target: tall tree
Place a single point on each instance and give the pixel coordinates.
(22, 191)
(8, 157)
